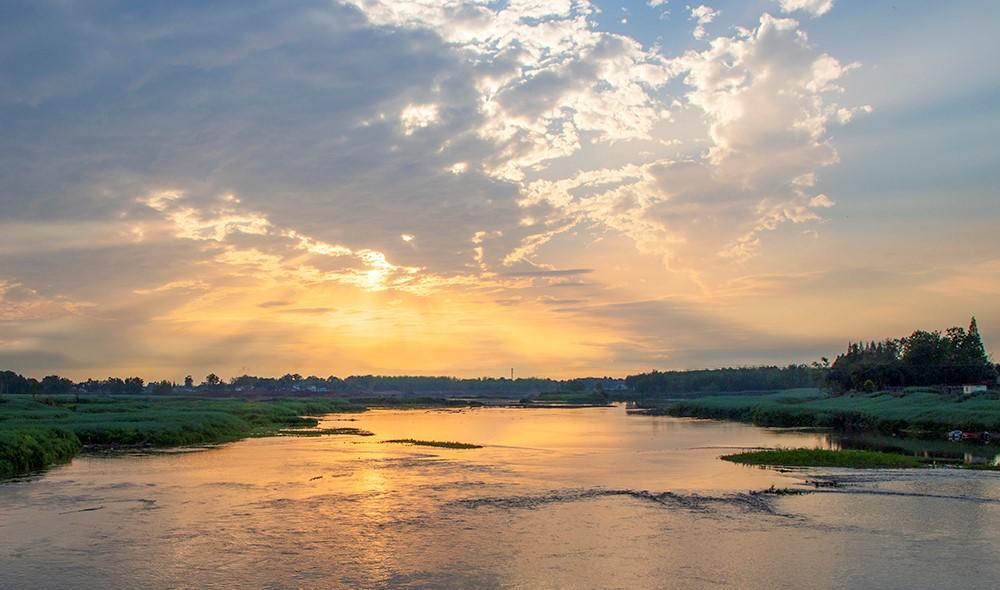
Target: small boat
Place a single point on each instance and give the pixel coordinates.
(959, 435)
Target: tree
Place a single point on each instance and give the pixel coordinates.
(970, 355)
(133, 385)
(56, 385)
(212, 380)
(956, 357)
(163, 387)
(189, 381)
(924, 356)
(13, 383)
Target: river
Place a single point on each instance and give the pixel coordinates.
(556, 498)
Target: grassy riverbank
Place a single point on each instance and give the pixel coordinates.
(37, 433)
(917, 412)
(30, 449)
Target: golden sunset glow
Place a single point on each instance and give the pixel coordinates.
(537, 186)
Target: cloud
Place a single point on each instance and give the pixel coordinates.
(20, 303)
(702, 15)
(814, 7)
(192, 167)
(276, 303)
(306, 111)
(567, 272)
(546, 79)
(683, 335)
(417, 116)
(172, 285)
(767, 98)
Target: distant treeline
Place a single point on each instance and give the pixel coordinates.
(14, 383)
(956, 357)
(725, 380)
(403, 384)
(483, 385)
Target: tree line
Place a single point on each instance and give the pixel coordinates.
(955, 357)
(732, 379)
(14, 383)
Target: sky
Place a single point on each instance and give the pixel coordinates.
(459, 187)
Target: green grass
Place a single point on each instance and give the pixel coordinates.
(913, 411)
(433, 443)
(31, 449)
(825, 458)
(38, 433)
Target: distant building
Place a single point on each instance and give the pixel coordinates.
(967, 389)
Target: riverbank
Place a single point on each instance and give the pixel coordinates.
(912, 413)
(37, 433)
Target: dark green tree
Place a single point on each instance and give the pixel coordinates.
(134, 385)
(163, 387)
(56, 385)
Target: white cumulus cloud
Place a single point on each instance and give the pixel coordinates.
(814, 7)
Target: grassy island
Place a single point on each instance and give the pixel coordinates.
(825, 458)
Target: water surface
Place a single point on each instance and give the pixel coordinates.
(555, 499)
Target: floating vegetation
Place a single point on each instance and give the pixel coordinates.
(326, 432)
(434, 443)
(773, 491)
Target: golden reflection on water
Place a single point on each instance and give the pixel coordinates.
(585, 447)
(355, 512)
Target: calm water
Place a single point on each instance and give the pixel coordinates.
(552, 501)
